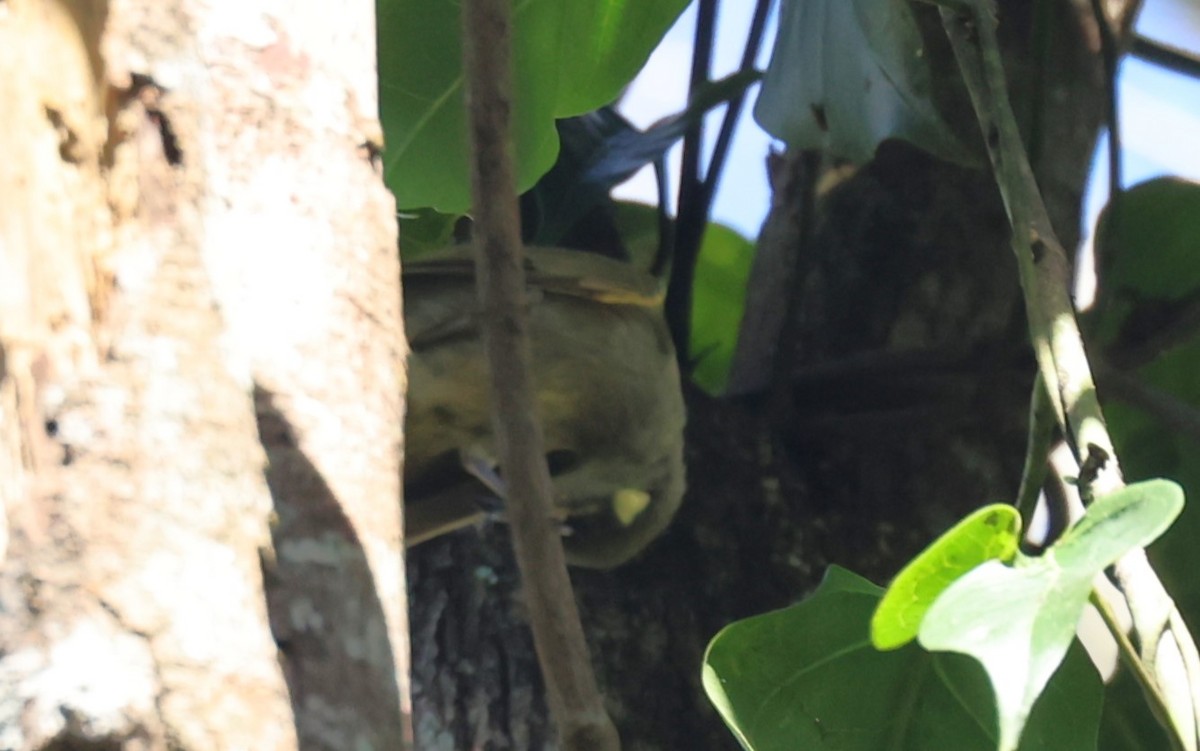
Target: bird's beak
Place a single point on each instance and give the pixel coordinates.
(628, 504)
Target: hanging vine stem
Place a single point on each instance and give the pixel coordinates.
(1167, 656)
(689, 222)
(571, 692)
(698, 183)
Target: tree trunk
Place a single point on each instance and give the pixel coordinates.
(198, 280)
(908, 386)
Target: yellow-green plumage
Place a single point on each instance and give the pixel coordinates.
(608, 397)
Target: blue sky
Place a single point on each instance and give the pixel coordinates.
(1160, 111)
(661, 90)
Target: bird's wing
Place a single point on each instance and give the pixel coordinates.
(566, 272)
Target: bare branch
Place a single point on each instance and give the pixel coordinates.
(558, 637)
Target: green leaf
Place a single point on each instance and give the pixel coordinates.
(806, 677)
(569, 56)
(992, 532)
(1145, 321)
(1019, 620)
(1146, 242)
(718, 301)
(847, 74)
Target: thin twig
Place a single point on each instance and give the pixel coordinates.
(716, 165)
(1037, 451)
(1045, 278)
(574, 700)
(1111, 57)
(1173, 58)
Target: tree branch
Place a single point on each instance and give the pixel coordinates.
(574, 700)
(1167, 650)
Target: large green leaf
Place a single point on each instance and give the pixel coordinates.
(1019, 620)
(570, 57)
(807, 678)
(847, 74)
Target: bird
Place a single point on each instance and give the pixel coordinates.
(608, 395)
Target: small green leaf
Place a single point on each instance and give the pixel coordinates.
(992, 532)
(1018, 620)
(806, 677)
(847, 74)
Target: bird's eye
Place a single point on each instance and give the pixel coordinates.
(561, 460)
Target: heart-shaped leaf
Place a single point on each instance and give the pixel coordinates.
(806, 677)
(1019, 620)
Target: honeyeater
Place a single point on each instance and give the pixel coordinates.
(608, 397)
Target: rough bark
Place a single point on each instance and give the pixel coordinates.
(908, 407)
(197, 263)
